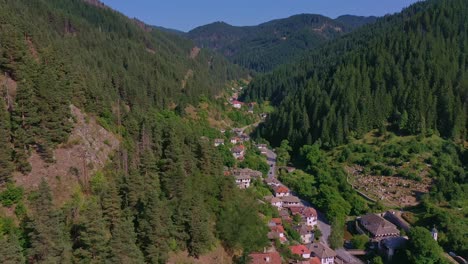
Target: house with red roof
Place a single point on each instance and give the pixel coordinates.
(277, 232)
(265, 258)
(308, 214)
(300, 250)
(281, 191)
(238, 152)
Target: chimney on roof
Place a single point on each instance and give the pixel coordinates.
(267, 259)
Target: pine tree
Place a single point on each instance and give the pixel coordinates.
(91, 236)
(10, 250)
(123, 243)
(48, 239)
(6, 162)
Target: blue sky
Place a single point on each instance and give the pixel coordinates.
(188, 14)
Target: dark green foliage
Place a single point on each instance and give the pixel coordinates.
(6, 154)
(11, 195)
(409, 70)
(164, 189)
(422, 248)
(325, 186)
(90, 236)
(96, 59)
(261, 48)
(360, 241)
(10, 249)
(48, 240)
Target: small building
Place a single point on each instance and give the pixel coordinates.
(265, 258)
(235, 140)
(275, 221)
(322, 252)
(276, 202)
(277, 232)
(309, 216)
(218, 142)
(238, 131)
(243, 181)
(237, 104)
(396, 219)
(244, 138)
(238, 152)
(391, 245)
(306, 232)
(300, 250)
(291, 201)
(281, 191)
(377, 227)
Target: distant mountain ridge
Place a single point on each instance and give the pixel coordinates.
(267, 45)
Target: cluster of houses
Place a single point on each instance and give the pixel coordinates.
(238, 151)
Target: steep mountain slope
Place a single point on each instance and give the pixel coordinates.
(408, 69)
(87, 95)
(355, 21)
(263, 47)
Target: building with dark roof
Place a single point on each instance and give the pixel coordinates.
(323, 252)
(378, 227)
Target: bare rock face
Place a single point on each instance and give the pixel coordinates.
(87, 151)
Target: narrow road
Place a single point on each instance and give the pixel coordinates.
(321, 221)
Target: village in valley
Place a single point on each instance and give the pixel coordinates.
(300, 233)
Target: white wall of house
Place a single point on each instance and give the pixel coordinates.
(328, 260)
(311, 221)
(307, 238)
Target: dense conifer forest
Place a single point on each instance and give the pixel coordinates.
(405, 75)
(389, 96)
(164, 190)
(263, 47)
(408, 71)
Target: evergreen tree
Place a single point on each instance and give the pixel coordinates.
(10, 250)
(6, 164)
(91, 237)
(123, 243)
(48, 240)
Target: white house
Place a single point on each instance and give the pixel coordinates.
(291, 201)
(237, 104)
(243, 181)
(218, 142)
(309, 215)
(281, 191)
(276, 202)
(322, 252)
(306, 232)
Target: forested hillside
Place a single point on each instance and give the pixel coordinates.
(163, 190)
(408, 70)
(263, 47)
(406, 74)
